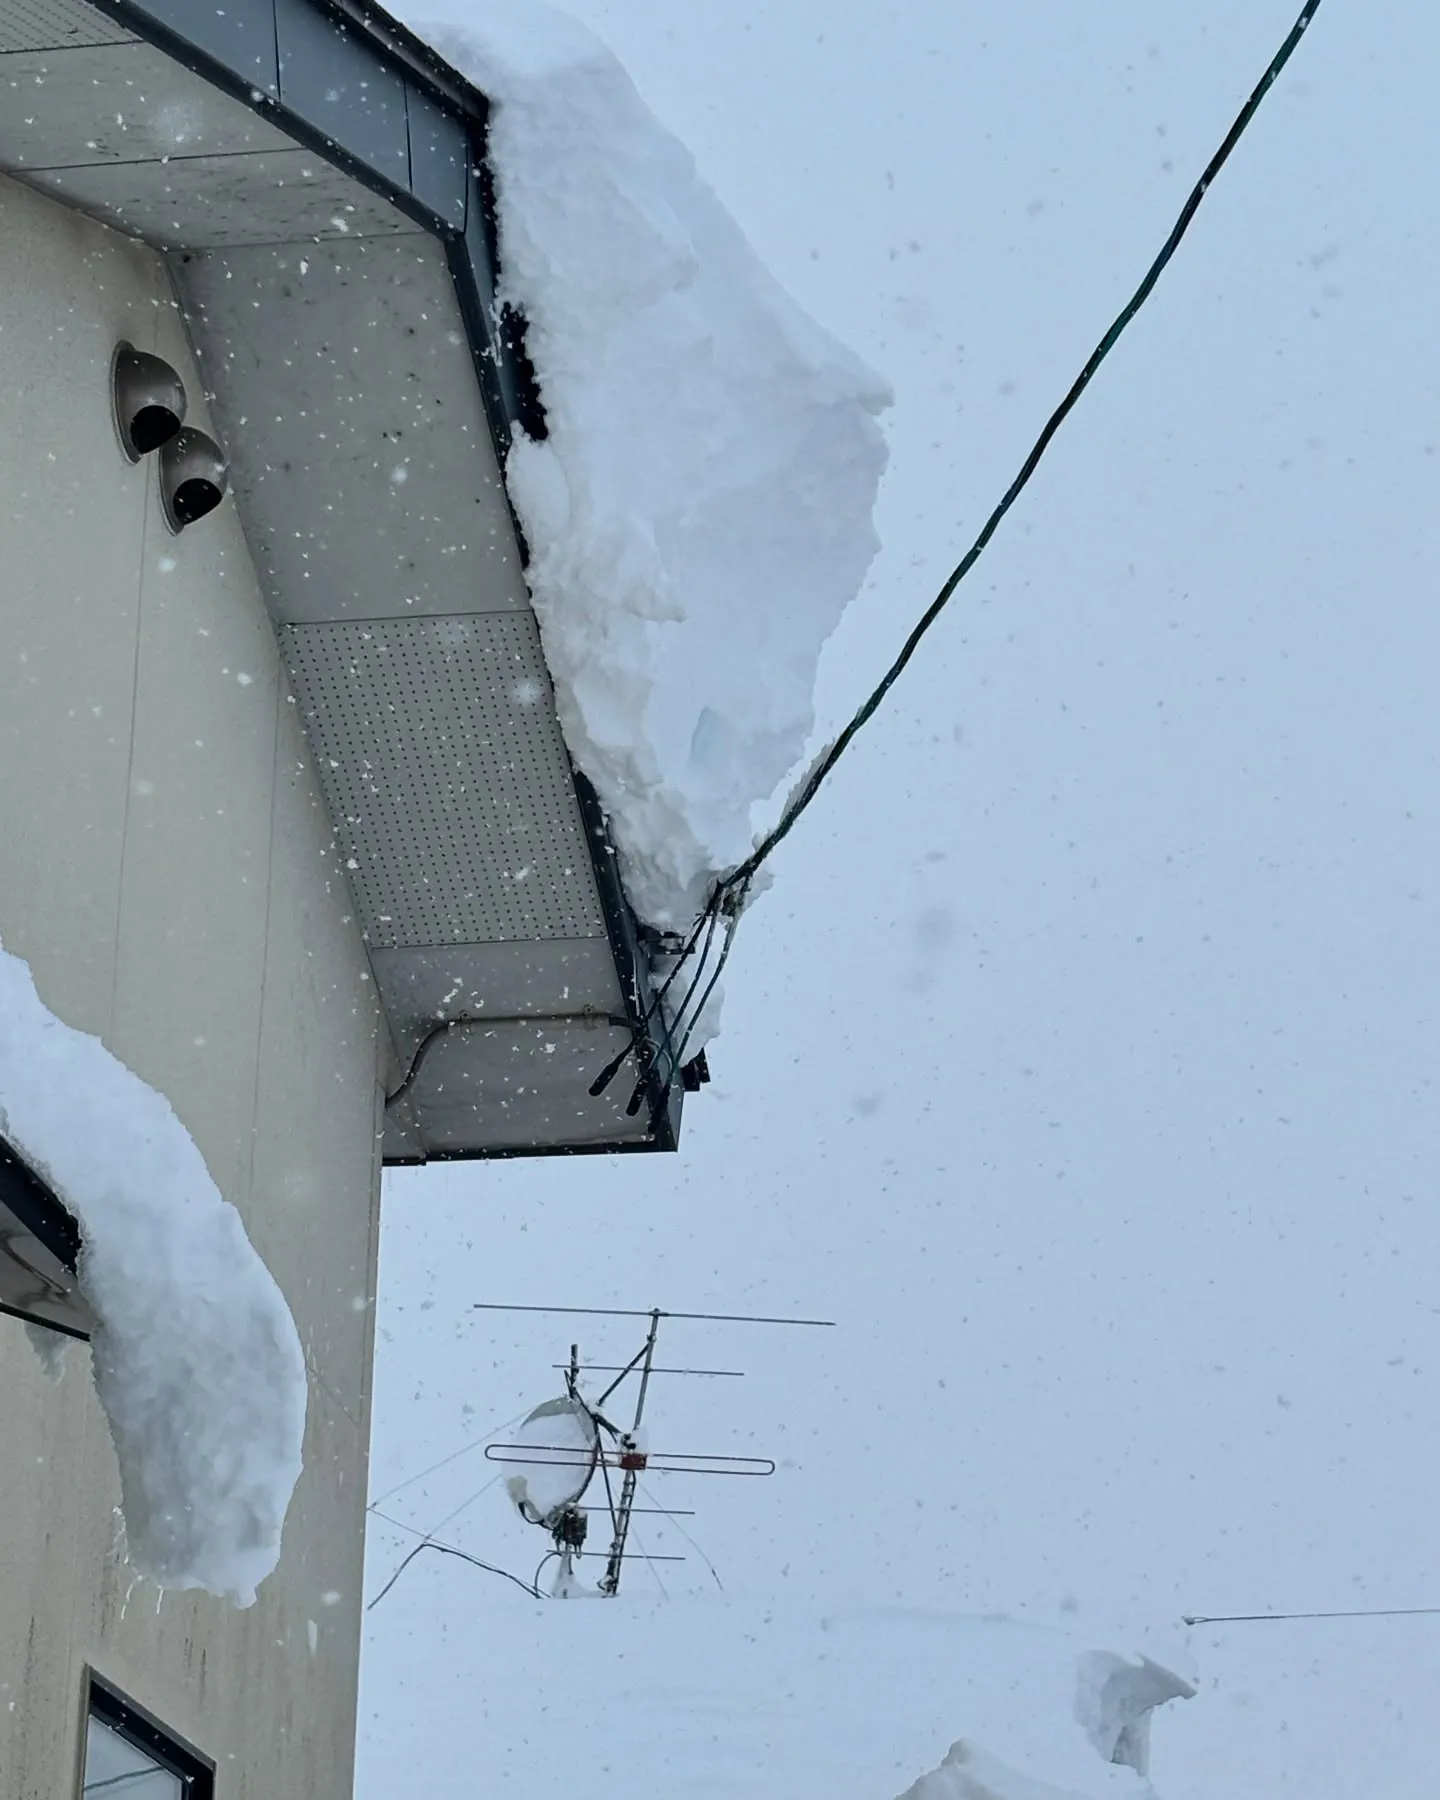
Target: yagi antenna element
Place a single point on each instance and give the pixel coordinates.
(621, 1312)
(567, 1442)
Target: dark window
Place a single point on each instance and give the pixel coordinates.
(39, 1246)
(131, 1757)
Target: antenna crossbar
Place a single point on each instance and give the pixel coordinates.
(625, 1368)
(625, 1312)
(567, 1456)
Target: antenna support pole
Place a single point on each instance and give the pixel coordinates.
(632, 1460)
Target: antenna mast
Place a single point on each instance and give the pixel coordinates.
(632, 1461)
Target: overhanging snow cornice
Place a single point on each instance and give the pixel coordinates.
(414, 264)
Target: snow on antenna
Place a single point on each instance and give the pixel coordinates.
(565, 1442)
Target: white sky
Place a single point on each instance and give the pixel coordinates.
(1081, 1062)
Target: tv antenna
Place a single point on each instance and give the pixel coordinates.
(565, 1443)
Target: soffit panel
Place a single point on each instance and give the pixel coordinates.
(517, 1088)
(127, 134)
(54, 25)
(209, 202)
(126, 102)
(361, 457)
(422, 985)
(447, 778)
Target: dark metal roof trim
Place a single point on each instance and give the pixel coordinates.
(51, 1256)
(264, 54)
(665, 1138)
(405, 47)
(37, 1209)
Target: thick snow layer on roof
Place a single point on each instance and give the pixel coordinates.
(710, 1698)
(699, 515)
(197, 1362)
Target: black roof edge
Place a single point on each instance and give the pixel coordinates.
(417, 57)
(43, 1215)
(509, 391)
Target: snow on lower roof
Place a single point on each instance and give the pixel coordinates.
(699, 516)
(773, 1698)
(196, 1359)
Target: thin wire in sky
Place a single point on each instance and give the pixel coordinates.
(728, 895)
(740, 877)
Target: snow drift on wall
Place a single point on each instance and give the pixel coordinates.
(699, 515)
(197, 1362)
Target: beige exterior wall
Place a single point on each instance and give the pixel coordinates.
(166, 870)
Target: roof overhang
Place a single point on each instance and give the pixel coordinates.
(316, 179)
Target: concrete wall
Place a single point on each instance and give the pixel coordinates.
(166, 869)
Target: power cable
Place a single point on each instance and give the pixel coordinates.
(444, 1461)
(1384, 1612)
(654, 1567)
(807, 790)
(677, 1061)
(428, 1539)
(451, 1517)
(430, 1543)
(446, 1027)
(674, 1519)
(730, 890)
(655, 1009)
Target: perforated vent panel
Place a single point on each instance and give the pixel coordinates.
(447, 778)
(55, 25)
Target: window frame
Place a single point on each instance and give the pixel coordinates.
(141, 1729)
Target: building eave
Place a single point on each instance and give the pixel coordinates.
(408, 131)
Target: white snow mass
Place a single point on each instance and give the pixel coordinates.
(699, 515)
(197, 1362)
(768, 1697)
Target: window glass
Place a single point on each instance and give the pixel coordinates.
(114, 1766)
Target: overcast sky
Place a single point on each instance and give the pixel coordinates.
(1081, 1062)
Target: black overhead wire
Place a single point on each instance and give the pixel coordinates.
(657, 1003)
(1382, 1612)
(821, 769)
(464, 1450)
(674, 1519)
(677, 1058)
(730, 890)
(465, 1556)
(670, 1022)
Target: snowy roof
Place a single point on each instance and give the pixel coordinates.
(319, 192)
(699, 505)
(769, 1697)
(365, 248)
